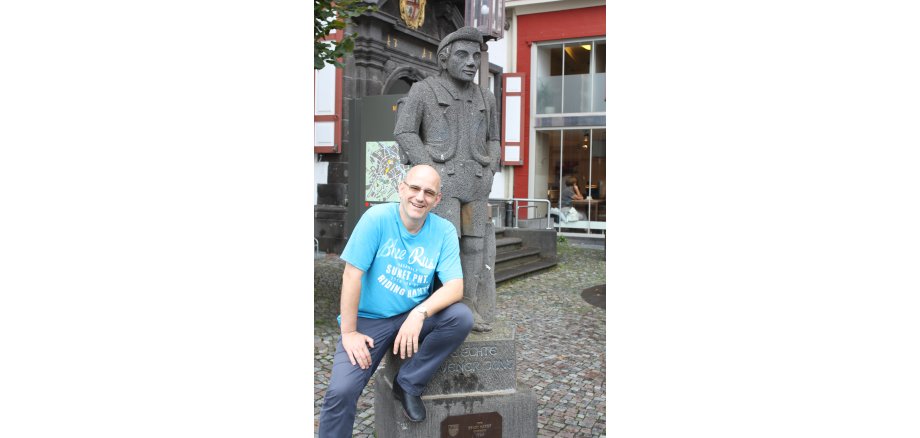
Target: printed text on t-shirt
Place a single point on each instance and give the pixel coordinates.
(417, 256)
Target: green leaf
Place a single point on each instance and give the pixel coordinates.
(329, 16)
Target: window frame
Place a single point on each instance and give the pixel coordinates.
(592, 68)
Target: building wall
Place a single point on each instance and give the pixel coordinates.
(547, 26)
(385, 51)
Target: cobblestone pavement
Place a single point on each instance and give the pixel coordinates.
(561, 343)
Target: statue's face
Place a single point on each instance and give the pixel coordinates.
(463, 62)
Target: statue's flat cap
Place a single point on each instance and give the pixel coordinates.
(462, 34)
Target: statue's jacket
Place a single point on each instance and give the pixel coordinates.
(438, 124)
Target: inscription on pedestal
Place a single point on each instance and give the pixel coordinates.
(484, 425)
(484, 362)
(474, 359)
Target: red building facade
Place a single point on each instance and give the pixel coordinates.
(560, 47)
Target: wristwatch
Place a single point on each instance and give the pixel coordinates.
(421, 309)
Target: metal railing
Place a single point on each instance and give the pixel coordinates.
(512, 207)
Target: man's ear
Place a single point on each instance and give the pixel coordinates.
(436, 201)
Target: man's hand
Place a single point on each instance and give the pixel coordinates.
(406, 342)
(354, 345)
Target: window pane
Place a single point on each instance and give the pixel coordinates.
(549, 79)
(577, 81)
(575, 158)
(600, 76)
(324, 97)
(565, 153)
(545, 178)
(597, 186)
(599, 162)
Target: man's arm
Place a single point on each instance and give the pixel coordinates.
(449, 293)
(406, 342)
(354, 342)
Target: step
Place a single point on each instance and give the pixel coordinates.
(509, 259)
(507, 243)
(517, 271)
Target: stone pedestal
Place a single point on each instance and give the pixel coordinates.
(474, 394)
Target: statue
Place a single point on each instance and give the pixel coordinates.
(452, 124)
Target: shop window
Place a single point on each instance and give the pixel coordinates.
(549, 79)
(578, 155)
(599, 97)
(577, 78)
(569, 77)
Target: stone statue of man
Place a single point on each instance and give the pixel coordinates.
(451, 123)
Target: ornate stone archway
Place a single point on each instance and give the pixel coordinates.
(397, 79)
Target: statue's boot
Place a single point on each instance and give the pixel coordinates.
(471, 260)
(479, 324)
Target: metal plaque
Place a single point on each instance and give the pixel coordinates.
(484, 425)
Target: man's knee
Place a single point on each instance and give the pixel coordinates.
(461, 316)
(343, 392)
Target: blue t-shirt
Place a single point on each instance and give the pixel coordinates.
(399, 267)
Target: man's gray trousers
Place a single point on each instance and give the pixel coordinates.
(441, 334)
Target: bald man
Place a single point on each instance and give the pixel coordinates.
(388, 304)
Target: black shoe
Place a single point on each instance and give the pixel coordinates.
(412, 404)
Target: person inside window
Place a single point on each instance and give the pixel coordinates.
(571, 193)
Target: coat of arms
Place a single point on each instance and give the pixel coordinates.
(412, 12)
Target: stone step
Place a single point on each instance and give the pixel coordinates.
(507, 244)
(517, 271)
(510, 259)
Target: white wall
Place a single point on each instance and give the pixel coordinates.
(498, 52)
(498, 187)
(498, 55)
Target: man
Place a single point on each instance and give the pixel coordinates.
(451, 123)
(387, 303)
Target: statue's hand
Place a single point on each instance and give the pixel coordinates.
(495, 150)
(412, 150)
